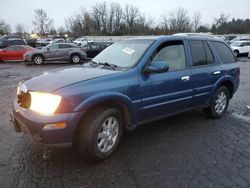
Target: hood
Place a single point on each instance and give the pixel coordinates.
(53, 80)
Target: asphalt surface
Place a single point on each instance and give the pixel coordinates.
(186, 150)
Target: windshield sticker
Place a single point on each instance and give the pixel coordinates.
(128, 50)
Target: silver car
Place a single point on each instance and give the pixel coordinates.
(56, 52)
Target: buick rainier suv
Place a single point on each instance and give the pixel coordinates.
(129, 83)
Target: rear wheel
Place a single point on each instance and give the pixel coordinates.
(75, 58)
(100, 133)
(219, 103)
(38, 59)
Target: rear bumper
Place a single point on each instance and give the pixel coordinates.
(32, 125)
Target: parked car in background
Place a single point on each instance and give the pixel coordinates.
(12, 41)
(31, 42)
(70, 39)
(228, 38)
(239, 39)
(129, 83)
(57, 40)
(43, 42)
(240, 47)
(56, 52)
(93, 49)
(81, 41)
(14, 52)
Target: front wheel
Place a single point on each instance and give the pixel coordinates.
(75, 58)
(38, 59)
(100, 133)
(236, 53)
(219, 103)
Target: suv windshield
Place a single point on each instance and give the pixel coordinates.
(124, 53)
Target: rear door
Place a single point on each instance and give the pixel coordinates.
(64, 51)
(205, 71)
(171, 91)
(229, 67)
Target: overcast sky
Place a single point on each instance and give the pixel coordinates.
(22, 11)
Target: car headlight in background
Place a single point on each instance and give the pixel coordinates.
(44, 103)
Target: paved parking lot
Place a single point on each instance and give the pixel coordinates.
(187, 150)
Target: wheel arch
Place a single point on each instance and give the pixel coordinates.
(119, 101)
(228, 83)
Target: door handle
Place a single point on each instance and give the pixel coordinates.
(217, 72)
(185, 78)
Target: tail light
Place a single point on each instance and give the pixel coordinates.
(83, 49)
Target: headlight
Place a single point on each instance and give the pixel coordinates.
(44, 103)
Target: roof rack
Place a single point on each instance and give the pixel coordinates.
(210, 35)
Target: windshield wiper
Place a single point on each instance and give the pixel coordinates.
(113, 66)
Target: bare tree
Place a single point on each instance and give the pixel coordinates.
(221, 20)
(131, 15)
(164, 23)
(4, 28)
(179, 21)
(20, 30)
(42, 22)
(196, 22)
(118, 16)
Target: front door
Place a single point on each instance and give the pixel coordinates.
(168, 92)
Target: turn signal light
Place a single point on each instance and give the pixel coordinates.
(54, 126)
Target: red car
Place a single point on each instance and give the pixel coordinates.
(14, 53)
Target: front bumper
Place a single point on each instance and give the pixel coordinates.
(31, 123)
(27, 58)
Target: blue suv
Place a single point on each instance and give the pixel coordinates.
(129, 83)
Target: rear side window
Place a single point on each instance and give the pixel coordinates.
(224, 52)
(201, 53)
(65, 46)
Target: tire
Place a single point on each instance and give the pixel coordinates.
(38, 59)
(236, 53)
(97, 140)
(219, 103)
(75, 58)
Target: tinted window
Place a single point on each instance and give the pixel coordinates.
(173, 54)
(198, 53)
(65, 46)
(17, 42)
(209, 54)
(224, 52)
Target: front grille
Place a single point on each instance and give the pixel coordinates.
(24, 99)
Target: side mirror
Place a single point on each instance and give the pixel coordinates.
(157, 67)
(48, 49)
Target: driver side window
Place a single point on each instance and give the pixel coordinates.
(173, 54)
